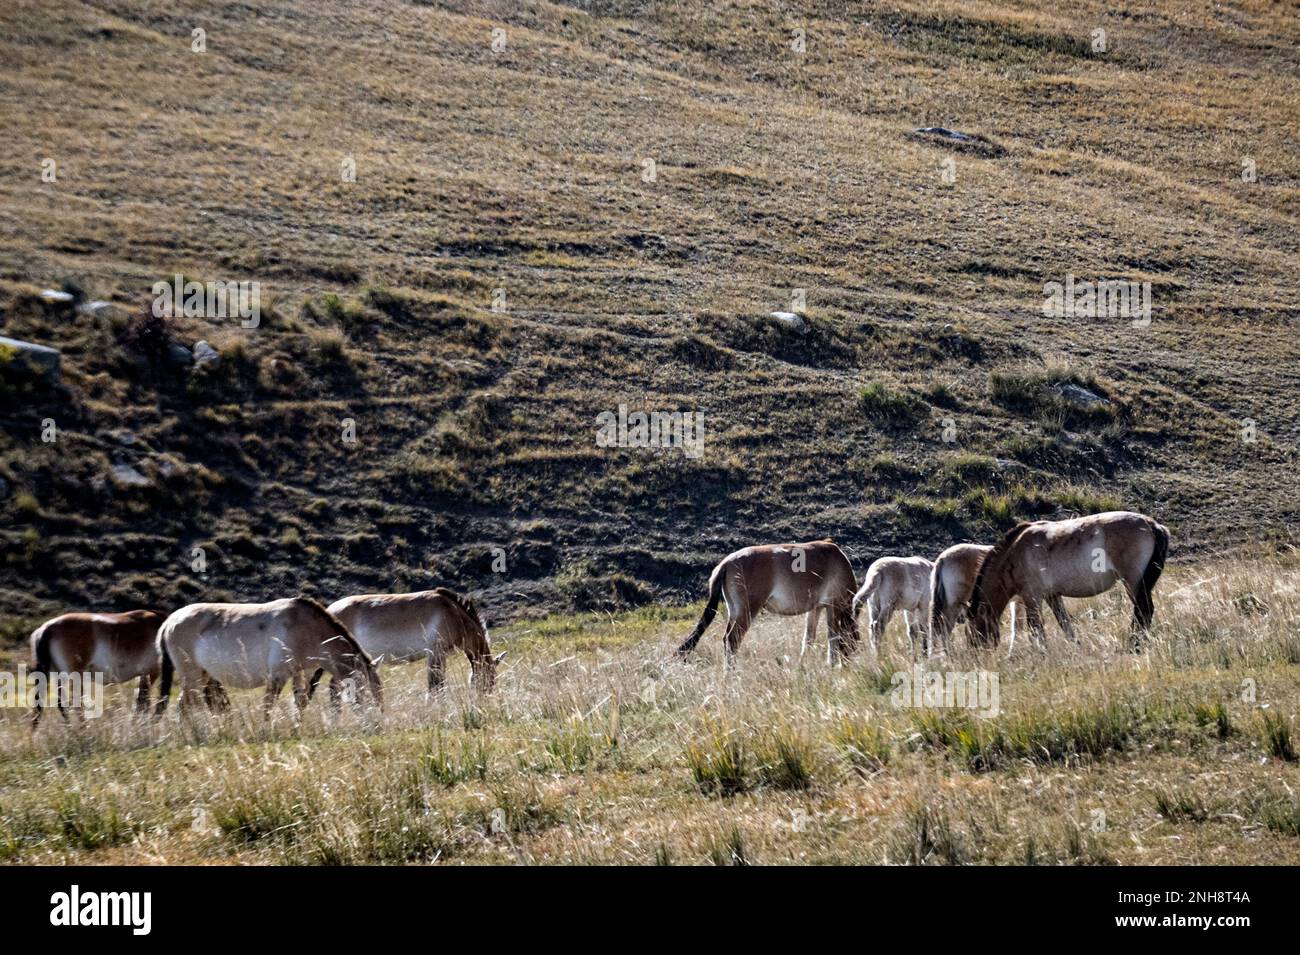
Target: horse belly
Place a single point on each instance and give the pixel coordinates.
(392, 645)
(789, 598)
(242, 663)
(1079, 580)
(116, 670)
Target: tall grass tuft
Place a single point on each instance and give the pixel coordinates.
(866, 747)
(718, 761)
(1275, 732)
(926, 837)
(786, 759)
(1180, 805)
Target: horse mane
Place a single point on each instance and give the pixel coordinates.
(341, 628)
(464, 604)
(996, 554)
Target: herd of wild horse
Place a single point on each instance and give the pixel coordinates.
(297, 640)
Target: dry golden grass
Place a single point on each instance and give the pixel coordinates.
(1097, 755)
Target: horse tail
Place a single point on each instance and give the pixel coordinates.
(938, 600)
(706, 618)
(868, 588)
(42, 664)
(1143, 605)
(1156, 565)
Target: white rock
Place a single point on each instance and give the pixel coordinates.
(1077, 395)
(124, 475)
(790, 320)
(205, 354)
(98, 308)
(30, 357)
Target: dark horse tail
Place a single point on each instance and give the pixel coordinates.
(938, 603)
(706, 618)
(1143, 605)
(167, 669)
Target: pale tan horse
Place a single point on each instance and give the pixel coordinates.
(952, 582)
(1083, 557)
(251, 645)
(121, 646)
(427, 625)
(893, 584)
(787, 579)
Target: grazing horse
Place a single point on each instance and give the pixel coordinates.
(951, 585)
(251, 645)
(1083, 557)
(121, 646)
(896, 583)
(428, 624)
(787, 579)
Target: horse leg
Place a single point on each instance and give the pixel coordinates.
(1034, 616)
(302, 690)
(842, 635)
(436, 672)
(39, 698)
(142, 695)
(215, 696)
(880, 615)
(60, 692)
(192, 690)
(736, 628)
(273, 687)
(1062, 618)
(810, 629)
(923, 622)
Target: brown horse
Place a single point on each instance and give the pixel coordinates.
(251, 645)
(427, 624)
(787, 579)
(1083, 557)
(121, 646)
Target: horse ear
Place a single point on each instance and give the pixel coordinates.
(500, 656)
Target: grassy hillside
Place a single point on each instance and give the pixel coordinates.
(524, 170)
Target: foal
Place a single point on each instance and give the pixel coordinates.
(121, 646)
(427, 624)
(897, 583)
(787, 579)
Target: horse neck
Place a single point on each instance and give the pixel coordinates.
(470, 637)
(343, 655)
(997, 588)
